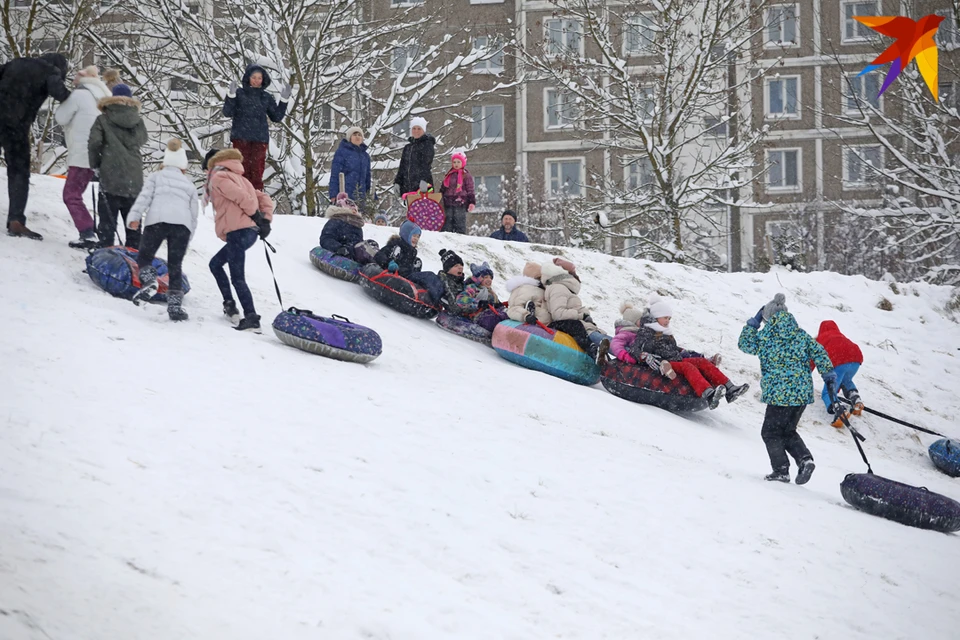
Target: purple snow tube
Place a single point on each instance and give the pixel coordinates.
(903, 503)
(334, 337)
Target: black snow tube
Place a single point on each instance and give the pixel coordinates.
(396, 292)
(903, 503)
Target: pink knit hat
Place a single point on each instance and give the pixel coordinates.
(459, 154)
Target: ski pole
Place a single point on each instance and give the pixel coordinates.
(892, 419)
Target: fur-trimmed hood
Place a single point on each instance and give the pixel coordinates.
(95, 86)
(344, 214)
(121, 111)
(223, 156)
(519, 281)
(121, 100)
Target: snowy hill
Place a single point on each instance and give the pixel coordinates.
(165, 481)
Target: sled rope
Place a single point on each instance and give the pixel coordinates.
(857, 436)
(272, 273)
(892, 419)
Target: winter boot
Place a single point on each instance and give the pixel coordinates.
(175, 306)
(249, 323)
(602, 350)
(19, 230)
(735, 391)
(531, 309)
(231, 312)
(713, 396)
(666, 369)
(806, 470)
(854, 398)
(88, 240)
(148, 285)
(838, 422)
(778, 476)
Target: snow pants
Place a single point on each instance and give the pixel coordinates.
(489, 318)
(456, 219)
(780, 436)
(111, 207)
(431, 282)
(576, 330)
(254, 161)
(177, 237)
(845, 373)
(234, 253)
(700, 373)
(16, 151)
(73, 189)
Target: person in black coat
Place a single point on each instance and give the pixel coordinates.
(416, 162)
(508, 228)
(343, 230)
(250, 106)
(25, 84)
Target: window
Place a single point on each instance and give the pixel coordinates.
(861, 90)
(486, 1)
(403, 57)
(715, 126)
(947, 95)
(783, 170)
(783, 97)
(326, 117)
(193, 8)
(402, 3)
(565, 178)
(638, 173)
(717, 52)
(948, 34)
(182, 84)
(860, 166)
(488, 124)
(781, 27)
(488, 192)
(648, 102)
(561, 109)
(46, 45)
(854, 31)
(562, 36)
(639, 34)
(494, 64)
(401, 131)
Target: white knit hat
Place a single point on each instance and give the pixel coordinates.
(418, 121)
(175, 155)
(659, 308)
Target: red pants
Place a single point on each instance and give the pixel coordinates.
(700, 373)
(254, 160)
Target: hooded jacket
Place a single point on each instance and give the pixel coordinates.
(234, 199)
(401, 252)
(114, 146)
(251, 107)
(625, 334)
(354, 163)
(649, 339)
(561, 295)
(343, 228)
(416, 163)
(523, 289)
(77, 114)
(840, 348)
(167, 196)
(25, 84)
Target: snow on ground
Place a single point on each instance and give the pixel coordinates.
(166, 481)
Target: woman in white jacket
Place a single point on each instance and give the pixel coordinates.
(76, 115)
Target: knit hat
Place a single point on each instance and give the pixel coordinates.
(532, 270)
(122, 90)
(509, 212)
(449, 259)
(461, 156)
(631, 315)
(418, 121)
(408, 230)
(111, 77)
(351, 131)
(775, 306)
(206, 159)
(659, 308)
(480, 270)
(175, 155)
(381, 218)
(548, 271)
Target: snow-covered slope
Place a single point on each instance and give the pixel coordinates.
(165, 481)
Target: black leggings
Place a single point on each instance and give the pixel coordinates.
(111, 206)
(177, 237)
(576, 330)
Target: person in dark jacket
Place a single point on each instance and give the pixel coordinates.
(250, 106)
(459, 196)
(353, 161)
(399, 256)
(25, 84)
(846, 358)
(343, 233)
(508, 228)
(416, 161)
(452, 278)
(114, 148)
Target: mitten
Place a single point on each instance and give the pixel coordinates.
(484, 295)
(623, 356)
(285, 93)
(756, 320)
(392, 267)
(232, 92)
(264, 229)
(343, 251)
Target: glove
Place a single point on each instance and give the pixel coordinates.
(232, 91)
(484, 295)
(651, 361)
(343, 251)
(623, 356)
(830, 380)
(392, 267)
(264, 229)
(285, 93)
(756, 320)
(588, 318)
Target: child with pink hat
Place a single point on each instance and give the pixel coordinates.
(458, 194)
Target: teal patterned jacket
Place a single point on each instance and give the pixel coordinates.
(785, 352)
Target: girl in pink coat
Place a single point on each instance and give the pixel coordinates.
(242, 214)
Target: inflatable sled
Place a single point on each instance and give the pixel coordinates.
(425, 210)
(945, 454)
(396, 292)
(334, 265)
(903, 503)
(639, 383)
(334, 337)
(553, 352)
(114, 269)
(463, 327)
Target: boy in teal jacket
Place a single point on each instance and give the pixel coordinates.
(785, 351)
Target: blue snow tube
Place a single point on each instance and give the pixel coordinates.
(114, 269)
(334, 337)
(945, 454)
(903, 503)
(334, 265)
(463, 327)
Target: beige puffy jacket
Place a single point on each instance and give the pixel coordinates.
(561, 297)
(523, 289)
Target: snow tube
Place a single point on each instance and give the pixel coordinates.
(945, 454)
(396, 292)
(639, 383)
(334, 337)
(334, 265)
(903, 503)
(463, 327)
(425, 210)
(553, 352)
(114, 269)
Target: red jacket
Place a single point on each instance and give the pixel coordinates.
(840, 348)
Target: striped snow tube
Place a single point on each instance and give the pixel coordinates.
(903, 503)
(553, 352)
(639, 383)
(945, 454)
(334, 265)
(115, 270)
(463, 327)
(335, 337)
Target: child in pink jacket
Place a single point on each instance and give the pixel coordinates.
(242, 214)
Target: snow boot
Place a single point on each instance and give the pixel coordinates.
(857, 403)
(806, 470)
(735, 391)
(175, 306)
(249, 323)
(88, 240)
(713, 396)
(838, 422)
(231, 312)
(602, 350)
(148, 285)
(666, 369)
(19, 230)
(777, 476)
(531, 309)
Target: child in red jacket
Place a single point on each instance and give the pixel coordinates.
(846, 358)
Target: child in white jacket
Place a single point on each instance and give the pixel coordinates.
(170, 206)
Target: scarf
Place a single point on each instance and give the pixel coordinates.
(446, 179)
(656, 326)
